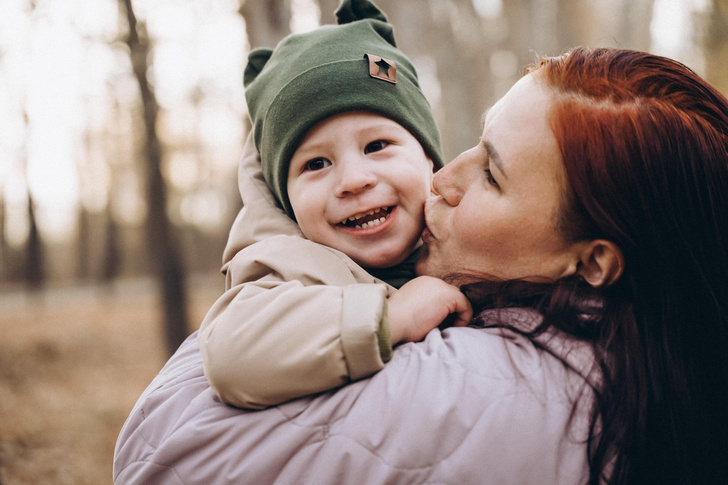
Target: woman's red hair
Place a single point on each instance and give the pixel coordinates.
(644, 141)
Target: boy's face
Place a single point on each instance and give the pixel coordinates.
(358, 183)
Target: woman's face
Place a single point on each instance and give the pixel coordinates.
(495, 209)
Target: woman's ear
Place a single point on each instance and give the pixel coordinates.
(602, 263)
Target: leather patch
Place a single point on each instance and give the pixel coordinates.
(381, 68)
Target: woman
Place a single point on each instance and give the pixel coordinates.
(597, 202)
(642, 148)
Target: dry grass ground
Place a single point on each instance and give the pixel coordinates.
(72, 363)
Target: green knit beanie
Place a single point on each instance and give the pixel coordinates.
(336, 68)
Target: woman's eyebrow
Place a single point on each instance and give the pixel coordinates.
(494, 157)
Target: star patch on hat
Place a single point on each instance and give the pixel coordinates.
(381, 68)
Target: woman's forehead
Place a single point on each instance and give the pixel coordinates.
(519, 117)
(524, 83)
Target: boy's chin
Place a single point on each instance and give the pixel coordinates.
(381, 261)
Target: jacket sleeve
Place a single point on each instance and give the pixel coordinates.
(260, 216)
(298, 318)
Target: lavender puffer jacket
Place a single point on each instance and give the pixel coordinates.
(465, 406)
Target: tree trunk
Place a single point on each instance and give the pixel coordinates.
(715, 44)
(111, 259)
(34, 270)
(266, 21)
(4, 273)
(327, 8)
(162, 243)
(83, 245)
(636, 19)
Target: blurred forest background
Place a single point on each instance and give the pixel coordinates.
(121, 123)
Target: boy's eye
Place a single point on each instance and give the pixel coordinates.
(375, 146)
(316, 164)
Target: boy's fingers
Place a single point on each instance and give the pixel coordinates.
(462, 321)
(460, 315)
(464, 311)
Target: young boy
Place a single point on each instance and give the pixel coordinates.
(347, 147)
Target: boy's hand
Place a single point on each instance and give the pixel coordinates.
(421, 305)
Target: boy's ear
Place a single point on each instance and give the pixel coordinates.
(256, 61)
(352, 10)
(601, 263)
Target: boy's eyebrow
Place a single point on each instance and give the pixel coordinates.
(310, 148)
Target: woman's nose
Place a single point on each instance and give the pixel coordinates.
(354, 177)
(448, 184)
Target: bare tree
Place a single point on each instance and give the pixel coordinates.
(327, 9)
(635, 21)
(34, 267)
(715, 44)
(83, 244)
(111, 258)
(3, 238)
(266, 21)
(163, 245)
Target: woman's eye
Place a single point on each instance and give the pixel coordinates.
(489, 177)
(316, 164)
(375, 146)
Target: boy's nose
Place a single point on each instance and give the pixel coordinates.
(354, 178)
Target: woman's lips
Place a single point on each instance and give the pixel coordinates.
(426, 232)
(427, 235)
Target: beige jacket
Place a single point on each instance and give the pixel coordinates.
(297, 318)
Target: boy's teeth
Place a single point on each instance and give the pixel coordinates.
(375, 222)
(364, 214)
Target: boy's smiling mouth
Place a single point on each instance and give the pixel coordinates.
(369, 218)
